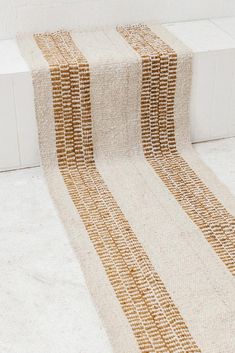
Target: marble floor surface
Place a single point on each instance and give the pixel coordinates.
(45, 306)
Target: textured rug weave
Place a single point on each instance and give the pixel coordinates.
(153, 228)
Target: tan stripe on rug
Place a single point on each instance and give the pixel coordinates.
(159, 63)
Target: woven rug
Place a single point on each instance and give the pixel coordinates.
(153, 228)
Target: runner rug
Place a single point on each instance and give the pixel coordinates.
(153, 228)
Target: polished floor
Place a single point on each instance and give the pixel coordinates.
(45, 306)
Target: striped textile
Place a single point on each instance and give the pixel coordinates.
(153, 228)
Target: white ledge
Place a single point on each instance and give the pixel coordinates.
(11, 60)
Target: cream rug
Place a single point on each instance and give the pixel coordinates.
(153, 228)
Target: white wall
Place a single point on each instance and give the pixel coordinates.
(42, 15)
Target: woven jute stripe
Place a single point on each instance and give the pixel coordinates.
(155, 320)
(159, 69)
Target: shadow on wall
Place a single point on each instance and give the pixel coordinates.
(45, 15)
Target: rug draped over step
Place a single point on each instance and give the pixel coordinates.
(153, 228)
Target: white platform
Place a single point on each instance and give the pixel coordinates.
(212, 103)
(18, 128)
(213, 83)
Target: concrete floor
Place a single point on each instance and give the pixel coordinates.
(45, 305)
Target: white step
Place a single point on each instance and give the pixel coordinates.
(212, 101)
(18, 128)
(213, 84)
